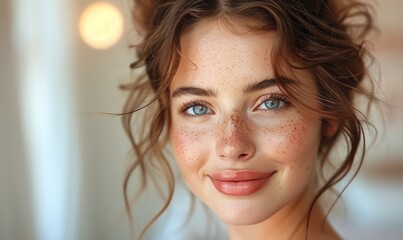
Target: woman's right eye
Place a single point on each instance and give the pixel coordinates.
(197, 110)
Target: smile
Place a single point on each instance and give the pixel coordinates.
(239, 183)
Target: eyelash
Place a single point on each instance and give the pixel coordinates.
(274, 96)
(186, 106)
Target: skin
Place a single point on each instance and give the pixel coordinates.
(237, 131)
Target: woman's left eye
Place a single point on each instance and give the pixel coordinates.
(197, 110)
(272, 104)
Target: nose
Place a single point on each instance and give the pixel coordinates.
(235, 139)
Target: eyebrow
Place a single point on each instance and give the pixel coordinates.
(250, 88)
(194, 91)
(266, 83)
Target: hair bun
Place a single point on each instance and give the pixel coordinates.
(142, 14)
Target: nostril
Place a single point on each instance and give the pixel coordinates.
(243, 155)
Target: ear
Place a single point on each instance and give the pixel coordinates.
(329, 127)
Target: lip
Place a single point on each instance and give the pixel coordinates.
(239, 182)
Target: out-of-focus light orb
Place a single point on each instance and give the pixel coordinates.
(101, 25)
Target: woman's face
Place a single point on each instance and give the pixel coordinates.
(241, 146)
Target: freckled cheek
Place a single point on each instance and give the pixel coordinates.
(189, 148)
(294, 142)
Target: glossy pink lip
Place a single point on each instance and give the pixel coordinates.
(239, 183)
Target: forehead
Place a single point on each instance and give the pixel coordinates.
(219, 48)
(226, 35)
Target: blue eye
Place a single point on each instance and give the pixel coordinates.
(272, 104)
(197, 110)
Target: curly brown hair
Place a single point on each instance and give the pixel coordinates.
(326, 38)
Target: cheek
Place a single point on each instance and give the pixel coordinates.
(295, 144)
(187, 146)
(294, 149)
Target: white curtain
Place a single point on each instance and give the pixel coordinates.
(16, 213)
(39, 159)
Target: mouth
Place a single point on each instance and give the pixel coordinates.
(239, 183)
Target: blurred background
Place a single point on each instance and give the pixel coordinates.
(62, 163)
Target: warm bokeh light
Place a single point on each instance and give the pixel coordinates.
(101, 25)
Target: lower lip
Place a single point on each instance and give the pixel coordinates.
(239, 188)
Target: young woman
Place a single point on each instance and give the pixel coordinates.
(250, 97)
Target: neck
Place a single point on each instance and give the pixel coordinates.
(288, 223)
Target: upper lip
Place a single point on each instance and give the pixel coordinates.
(239, 175)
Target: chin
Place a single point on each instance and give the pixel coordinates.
(243, 215)
(245, 220)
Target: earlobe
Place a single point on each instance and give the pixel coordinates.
(329, 127)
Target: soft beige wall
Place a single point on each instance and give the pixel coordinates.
(373, 200)
(103, 144)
